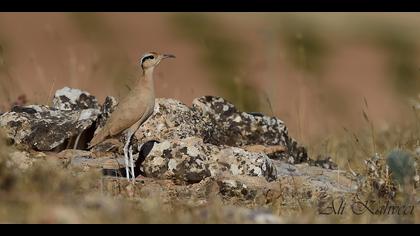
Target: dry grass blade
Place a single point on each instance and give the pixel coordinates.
(365, 116)
(268, 100)
(366, 103)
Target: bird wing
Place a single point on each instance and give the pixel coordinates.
(130, 110)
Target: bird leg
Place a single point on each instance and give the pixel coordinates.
(126, 154)
(130, 154)
(127, 174)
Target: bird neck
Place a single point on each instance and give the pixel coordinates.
(148, 73)
(147, 78)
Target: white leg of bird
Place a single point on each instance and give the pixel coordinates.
(131, 162)
(127, 154)
(126, 159)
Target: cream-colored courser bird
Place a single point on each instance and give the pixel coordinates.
(134, 109)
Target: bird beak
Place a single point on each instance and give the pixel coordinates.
(164, 56)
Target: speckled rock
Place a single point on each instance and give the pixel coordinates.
(44, 128)
(225, 125)
(218, 122)
(191, 160)
(73, 99)
(234, 188)
(106, 110)
(297, 186)
(171, 119)
(324, 162)
(67, 122)
(228, 126)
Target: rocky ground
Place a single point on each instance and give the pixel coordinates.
(189, 156)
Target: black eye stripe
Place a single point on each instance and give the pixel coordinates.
(147, 58)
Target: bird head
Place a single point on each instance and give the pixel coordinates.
(152, 59)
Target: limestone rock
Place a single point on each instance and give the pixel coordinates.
(234, 188)
(106, 110)
(191, 160)
(228, 126)
(47, 128)
(171, 119)
(218, 122)
(191, 143)
(74, 99)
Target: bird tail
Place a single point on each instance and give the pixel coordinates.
(98, 138)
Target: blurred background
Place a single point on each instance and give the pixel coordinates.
(315, 71)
